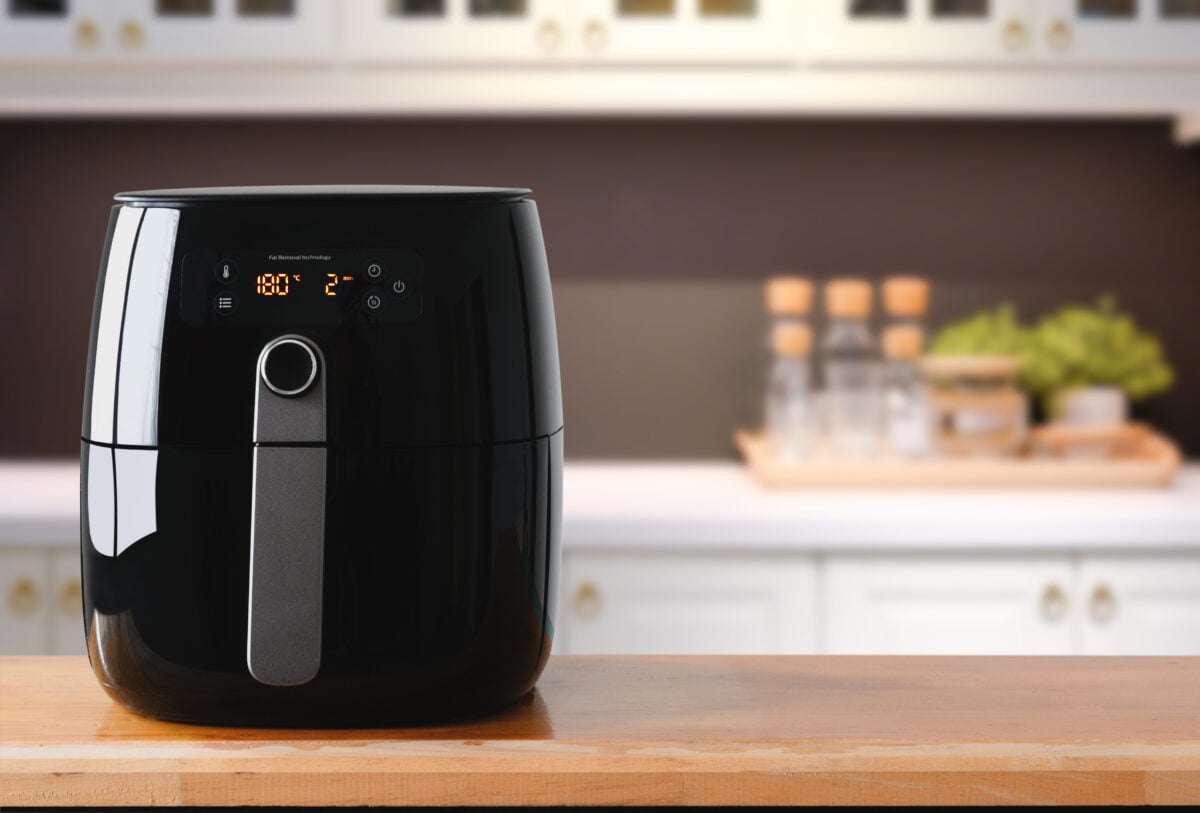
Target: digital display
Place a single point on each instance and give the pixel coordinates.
(301, 287)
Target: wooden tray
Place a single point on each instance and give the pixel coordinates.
(1152, 464)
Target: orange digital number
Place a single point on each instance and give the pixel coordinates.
(331, 285)
(272, 284)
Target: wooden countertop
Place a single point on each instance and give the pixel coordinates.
(653, 730)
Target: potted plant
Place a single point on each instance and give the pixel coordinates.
(1087, 363)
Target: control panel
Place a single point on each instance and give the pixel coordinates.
(276, 287)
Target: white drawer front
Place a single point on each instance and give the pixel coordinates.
(1143, 605)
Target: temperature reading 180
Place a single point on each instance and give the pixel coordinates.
(273, 284)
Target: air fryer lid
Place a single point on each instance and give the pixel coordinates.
(320, 194)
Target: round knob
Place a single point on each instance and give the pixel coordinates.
(289, 367)
(595, 34)
(1059, 35)
(1103, 605)
(87, 34)
(70, 598)
(550, 35)
(23, 598)
(131, 34)
(1054, 603)
(587, 600)
(1015, 35)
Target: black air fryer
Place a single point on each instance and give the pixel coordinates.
(322, 455)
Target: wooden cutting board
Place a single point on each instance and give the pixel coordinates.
(653, 731)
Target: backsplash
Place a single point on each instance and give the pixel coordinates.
(659, 234)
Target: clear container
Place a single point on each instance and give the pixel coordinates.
(792, 421)
(853, 375)
(788, 301)
(908, 417)
(978, 411)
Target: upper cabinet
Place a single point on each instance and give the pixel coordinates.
(1109, 32)
(1119, 31)
(54, 30)
(873, 31)
(555, 31)
(193, 31)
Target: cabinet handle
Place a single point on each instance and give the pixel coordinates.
(1103, 605)
(1054, 603)
(595, 34)
(1015, 35)
(131, 34)
(23, 598)
(587, 600)
(550, 35)
(1059, 35)
(70, 598)
(87, 35)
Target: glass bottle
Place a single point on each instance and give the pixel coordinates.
(788, 300)
(793, 427)
(906, 300)
(908, 418)
(850, 360)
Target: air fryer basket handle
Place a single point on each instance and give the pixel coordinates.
(287, 535)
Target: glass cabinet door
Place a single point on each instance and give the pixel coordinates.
(283, 31)
(689, 31)
(454, 31)
(54, 30)
(921, 31)
(1120, 31)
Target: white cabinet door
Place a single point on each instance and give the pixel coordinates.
(1119, 31)
(454, 31)
(687, 31)
(66, 600)
(1140, 605)
(280, 31)
(945, 604)
(54, 30)
(24, 602)
(919, 31)
(688, 603)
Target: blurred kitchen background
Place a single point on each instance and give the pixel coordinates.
(1034, 152)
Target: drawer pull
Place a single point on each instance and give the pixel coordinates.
(595, 35)
(23, 598)
(87, 35)
(131, 34)
(587, 600)
(1054, 603)
(70, 598)
(1103, 604)
(1059, 35)
(550, 36)
(1014, 35)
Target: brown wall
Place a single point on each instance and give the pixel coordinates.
(659, 234)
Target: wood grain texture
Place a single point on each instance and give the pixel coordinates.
(654, 731)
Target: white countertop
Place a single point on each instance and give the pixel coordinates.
(709, 505)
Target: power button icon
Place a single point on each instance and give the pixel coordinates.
(398, 287)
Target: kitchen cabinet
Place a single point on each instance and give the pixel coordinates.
(550, 31)
(283, 31)
(55, 30)
(192, 31)
(1050, 32)
(24, 602)
(1139, 605)
(968, 605)
(926, 31)
(1108, 32)
(689, 31)
(41, 604)
(454, 31)
(671, 603)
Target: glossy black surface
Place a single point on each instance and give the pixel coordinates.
(319, 195)
(438, 563)
(479, 365)
(443, 446)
